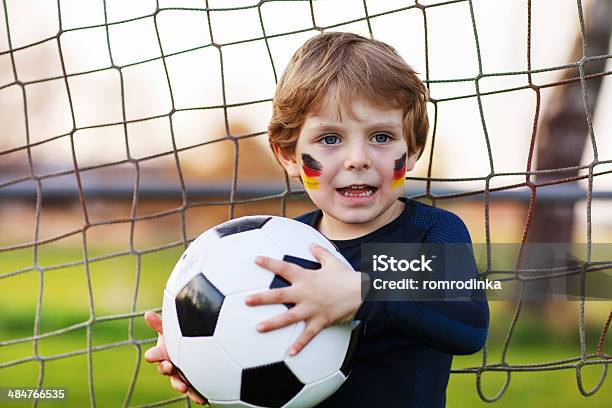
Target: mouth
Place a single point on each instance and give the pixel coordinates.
(357, 190)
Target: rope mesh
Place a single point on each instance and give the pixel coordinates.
(88, 259)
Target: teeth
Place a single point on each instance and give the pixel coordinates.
(347, 193)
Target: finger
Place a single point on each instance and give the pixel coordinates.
(322, 254)
(166, 368)
(313, 327)
(287, 270)
(293, 315)
(181, 387)
(154, 321)
(195, 397)
(270, 297)
(178, 384)
(156, 354)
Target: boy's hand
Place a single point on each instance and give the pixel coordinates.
(159, 354)
(322, 297)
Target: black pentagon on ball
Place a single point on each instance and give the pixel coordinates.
(197, 306)
(280, 282)
(271, 385)
(304, 263)
(241, 225)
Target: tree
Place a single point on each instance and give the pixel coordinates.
(561, 141)
(563, 132)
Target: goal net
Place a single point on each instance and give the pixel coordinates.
(128, 128)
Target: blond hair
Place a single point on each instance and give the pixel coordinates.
(342, 66)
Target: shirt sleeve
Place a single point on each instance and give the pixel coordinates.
(450, 326)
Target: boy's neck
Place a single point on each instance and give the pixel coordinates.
(337, 230)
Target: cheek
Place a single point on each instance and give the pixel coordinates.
(399, 172)
(312, 170)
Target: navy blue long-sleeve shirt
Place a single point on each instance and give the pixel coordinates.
(404, 355)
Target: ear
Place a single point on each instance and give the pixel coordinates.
(288, 161)
(411, 161)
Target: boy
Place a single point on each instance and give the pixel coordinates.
(349, 119)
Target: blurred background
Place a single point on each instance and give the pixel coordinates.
(129, 128)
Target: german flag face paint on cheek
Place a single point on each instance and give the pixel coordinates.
(399, 172)
(312, 170)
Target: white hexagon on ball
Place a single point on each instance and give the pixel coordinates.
(231, 266)
(191, 261)
(209, 368)
(317, 392)
(171, 326)
(285, 232)
(333, 342)
(236, 332)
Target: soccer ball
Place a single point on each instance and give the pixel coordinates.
(210, 332)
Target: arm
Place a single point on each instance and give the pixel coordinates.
(454, 327)
(331, 295)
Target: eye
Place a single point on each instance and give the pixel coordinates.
(382, 138)
(329, 139)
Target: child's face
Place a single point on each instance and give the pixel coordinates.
(353, 169)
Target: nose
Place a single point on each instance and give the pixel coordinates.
(357, 158)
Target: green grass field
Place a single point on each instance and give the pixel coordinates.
(65, 302)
